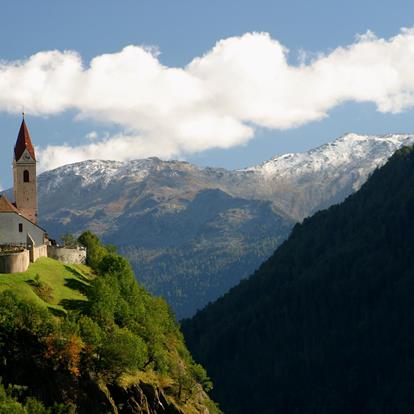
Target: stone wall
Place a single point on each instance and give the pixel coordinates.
(38, 251)
(14, 262)
(67, 255)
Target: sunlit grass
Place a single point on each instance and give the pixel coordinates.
(67, 282)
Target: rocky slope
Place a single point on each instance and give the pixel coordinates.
(192, 233)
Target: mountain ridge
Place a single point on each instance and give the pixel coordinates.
(142, 205)
(350, 152)
(325, 324)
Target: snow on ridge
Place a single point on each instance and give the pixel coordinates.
(107, 171)
(348, 150)
(89, 171)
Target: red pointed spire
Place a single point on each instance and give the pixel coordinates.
(23, 142)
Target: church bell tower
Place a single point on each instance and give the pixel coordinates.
(24, 175)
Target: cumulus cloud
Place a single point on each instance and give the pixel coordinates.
(91, 135)
(216, 101)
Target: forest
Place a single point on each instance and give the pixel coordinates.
(107, 353)
(326, 325)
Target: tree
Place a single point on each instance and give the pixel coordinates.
(69, 240)
(103, 298)
(122, 351)
(94, 249)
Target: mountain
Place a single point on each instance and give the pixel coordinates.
(326, 324)
(191, 233)
(302, 183)
(186, 238)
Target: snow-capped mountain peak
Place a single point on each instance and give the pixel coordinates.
(296, 183)
(349, 151)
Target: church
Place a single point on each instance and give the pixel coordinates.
(22, 240)
(18, 220)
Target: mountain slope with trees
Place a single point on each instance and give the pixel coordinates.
(326, 325)
(92, 340)
(191, 233)
(187, 239)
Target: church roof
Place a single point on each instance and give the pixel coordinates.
(6, 206)
(23, 142)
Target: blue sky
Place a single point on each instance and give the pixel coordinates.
(183, 30)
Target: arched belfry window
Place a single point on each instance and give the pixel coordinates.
(26, 176)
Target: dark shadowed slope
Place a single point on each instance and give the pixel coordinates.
(326, 325)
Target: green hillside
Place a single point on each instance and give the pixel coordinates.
(326, 325)
(50, 283)
(89, 339)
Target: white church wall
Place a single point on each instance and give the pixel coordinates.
(10, 232)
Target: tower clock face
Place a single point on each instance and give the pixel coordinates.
(26, 157)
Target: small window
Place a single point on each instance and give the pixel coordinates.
(20, 227)
(26, 176)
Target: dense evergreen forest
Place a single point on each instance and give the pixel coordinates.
(190, 278)
(117, 351)
(326, 325)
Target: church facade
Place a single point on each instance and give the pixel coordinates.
(18, 220)
(22, 240)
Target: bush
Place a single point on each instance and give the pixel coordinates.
(9, 403)
(122, 351)
(42, 289)
(94, 249)
(69, 240)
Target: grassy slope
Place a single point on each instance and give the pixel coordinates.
(66, 282)
(67, 285)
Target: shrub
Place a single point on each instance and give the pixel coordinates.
(94, 249)
(122, 351)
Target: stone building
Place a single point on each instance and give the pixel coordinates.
(22, 240)
(18, 220)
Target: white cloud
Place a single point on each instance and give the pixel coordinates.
(91, 135)
(217, 100)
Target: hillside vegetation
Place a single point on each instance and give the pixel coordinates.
(89, 339)
(326, 324)
(51, 284)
